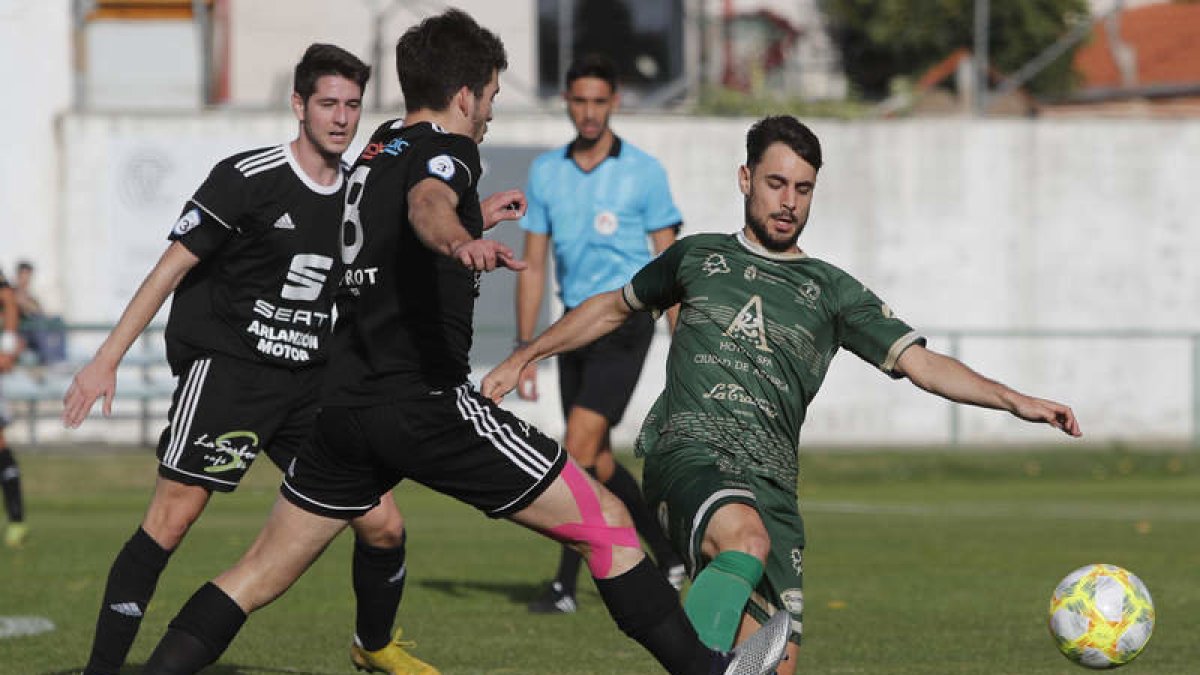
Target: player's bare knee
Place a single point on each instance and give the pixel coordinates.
(167, 521)
(382, 527)
(755, 542)
(168, 530)
(747, 536)
(615, 513)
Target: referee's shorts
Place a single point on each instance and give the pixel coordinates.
(601, 376)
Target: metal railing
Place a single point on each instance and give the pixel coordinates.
(146, 358)
(34, 390)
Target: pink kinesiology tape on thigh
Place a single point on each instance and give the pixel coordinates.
(593, 531)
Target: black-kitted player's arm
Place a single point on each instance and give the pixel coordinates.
(953, 380)
(599, 315)
(432, 210)
(99, 377)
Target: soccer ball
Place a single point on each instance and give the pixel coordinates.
(1101, 616)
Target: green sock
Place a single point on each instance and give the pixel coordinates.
(718, 596)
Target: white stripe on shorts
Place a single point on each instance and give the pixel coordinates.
(323, 505)
(501, 436)
(185, 411)
(695, 537)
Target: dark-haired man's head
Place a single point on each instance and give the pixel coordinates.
(591, 96)
(778, 179)
(450, 60)
(327, 90)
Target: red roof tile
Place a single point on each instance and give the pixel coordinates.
(1165, 38)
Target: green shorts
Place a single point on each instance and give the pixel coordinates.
(684, 487)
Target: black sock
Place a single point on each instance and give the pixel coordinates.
(131, 582)
(647, 609)
(625, 487)
(198, 635)
(568, 570)
(10, 481)
(379, 576)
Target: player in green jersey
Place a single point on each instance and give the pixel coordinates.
(759, 323)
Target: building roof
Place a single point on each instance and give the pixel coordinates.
(1165, 38)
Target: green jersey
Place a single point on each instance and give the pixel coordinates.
(756, 333)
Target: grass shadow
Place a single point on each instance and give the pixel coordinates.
(517, 593)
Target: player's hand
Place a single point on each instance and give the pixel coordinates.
(7, 361)
(502, 206)
(1057, 415)
(527, 389)
(501, 380)
(485, 255)
(90, 383)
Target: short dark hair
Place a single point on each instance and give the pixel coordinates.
(782, 129)
(593, 65)
(324, 59)
(443, 54)
(23, 265)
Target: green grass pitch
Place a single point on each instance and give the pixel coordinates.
(918, 563)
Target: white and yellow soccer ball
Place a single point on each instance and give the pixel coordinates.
(1101, 616)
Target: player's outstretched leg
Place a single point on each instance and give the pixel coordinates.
(209, 621)
(379, 573)
(134, 574)
(575, 509)
(559, 596)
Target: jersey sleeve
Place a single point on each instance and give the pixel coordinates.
(661, 211)
(869, 329)
(656, 288)
(537, 210)
(449, 158)
(212, 215)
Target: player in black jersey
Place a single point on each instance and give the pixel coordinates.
(250, 264)
(397, 403)
(10, 474)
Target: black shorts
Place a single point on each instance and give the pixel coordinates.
(225, 411)
(601, 376)
(454, 441)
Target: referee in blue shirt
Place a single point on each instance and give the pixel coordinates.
(598, 202)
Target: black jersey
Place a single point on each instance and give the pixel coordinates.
(404, 311)
(265, 234)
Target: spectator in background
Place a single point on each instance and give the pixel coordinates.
(598, 202)
(10, 474)
(45, 336)
(27, 303)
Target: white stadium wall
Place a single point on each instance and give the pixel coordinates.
(1081, 225)
(39, 87)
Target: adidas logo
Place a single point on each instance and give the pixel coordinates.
(399, 576)
(127, 608)
(285, 222)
